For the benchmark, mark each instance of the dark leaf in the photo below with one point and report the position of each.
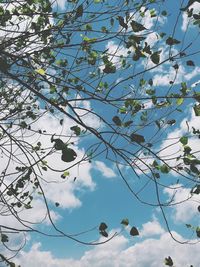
(104, 233)
(171, 122)
(172, 41)
(134, 231)
(59, 144)
(122, 23)
(198, 231)
(137, 138)
(117, 120)
(102, 227)
(196, 16)
(4, 238)
(190, 63)
(109, 68)
(68, 154)
(79, 11)
(169, 261)
(128, 123)
(137, 27)
(76, 129)
(155, 57)
(57, 204)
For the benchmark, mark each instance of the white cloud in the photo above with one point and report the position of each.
(151, 228)
(120, 252)
(187, 210)
(106, 171)
(186, 20)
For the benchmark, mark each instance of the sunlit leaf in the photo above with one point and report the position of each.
(125, 222)
(41, 71)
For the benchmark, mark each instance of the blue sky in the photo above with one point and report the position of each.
(99, 193)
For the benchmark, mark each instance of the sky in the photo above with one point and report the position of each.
(94, 191)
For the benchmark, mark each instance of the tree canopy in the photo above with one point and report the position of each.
(95, 81)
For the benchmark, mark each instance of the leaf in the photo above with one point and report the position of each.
(41, 71)
(79, 11)
(197, 110)
(184, 140)
(4, 238)
(137, 138)
(179, 101)
(68, 154)
(125, 222)
(137, 27)
(76, 129)
(171, 41)
(134, 231)
(128, 123)
(59, 144)
(57, 204)
(190, 63)
(109, 68)
(104, 233)
(169, 261)
(164, 169)
(122, 23)
(171, 122)
(155, 57)
(117, 120)
(103, 226)
(198, 231)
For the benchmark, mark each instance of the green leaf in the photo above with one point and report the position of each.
(155, 57)
(184, 140)
(137, 138)
(171, 41)
(179, 101)
(59, 144)
(76, 130)
(164, 168)
(134, 231)
(197, 110)
(125, 222)
(117, 120)
(79, 11)
(137, 27)
(68, 154)
(169, 261)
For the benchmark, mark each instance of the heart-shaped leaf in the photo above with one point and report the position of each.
(134, 231)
